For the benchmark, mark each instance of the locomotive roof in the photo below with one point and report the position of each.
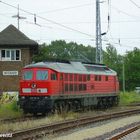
(74, 67)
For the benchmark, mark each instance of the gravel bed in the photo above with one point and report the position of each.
(106, 136)
(95, 130)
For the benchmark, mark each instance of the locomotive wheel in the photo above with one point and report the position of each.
(35, 114)
(99, 104)
(102, 103)
(116, 101)
(25, 111)
(55, 109)
(61, 107)
(67, 109)
(78, 106)
(44, 113)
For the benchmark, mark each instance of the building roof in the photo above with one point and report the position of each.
(74, 67)
(11, 36)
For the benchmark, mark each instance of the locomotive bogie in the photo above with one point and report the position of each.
(35, 104)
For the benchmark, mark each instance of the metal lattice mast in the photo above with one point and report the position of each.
(18, 17)
(99, 55)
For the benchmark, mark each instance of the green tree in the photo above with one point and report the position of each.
(59, 49)
(132, 69)
(114, 61)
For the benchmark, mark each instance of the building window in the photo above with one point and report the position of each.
(10, 55)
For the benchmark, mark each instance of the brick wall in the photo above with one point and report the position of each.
(11, 83)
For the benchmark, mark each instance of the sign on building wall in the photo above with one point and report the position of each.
(10, 73)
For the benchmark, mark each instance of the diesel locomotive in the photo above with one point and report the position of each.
(50, 86)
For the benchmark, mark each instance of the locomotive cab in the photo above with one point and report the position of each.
(35, 89)
(32, 82)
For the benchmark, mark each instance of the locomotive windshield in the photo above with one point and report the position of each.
(42, 75)
(28, 75)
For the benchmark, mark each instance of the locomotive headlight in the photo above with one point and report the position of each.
(42, 90)
(33, 85)
(26, 90)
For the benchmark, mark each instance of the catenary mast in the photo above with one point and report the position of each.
(99, 55)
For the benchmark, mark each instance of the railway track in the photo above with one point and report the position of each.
(124, 133)
(67, 125)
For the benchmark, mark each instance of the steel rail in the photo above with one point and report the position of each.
(67, 125)
(124, 133)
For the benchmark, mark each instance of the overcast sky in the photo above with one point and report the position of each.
(123, 33)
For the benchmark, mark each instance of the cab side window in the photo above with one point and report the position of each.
(53, 76)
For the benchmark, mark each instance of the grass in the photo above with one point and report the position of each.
(33, 123)
(9, 107)
(129, 97)
(9, 110)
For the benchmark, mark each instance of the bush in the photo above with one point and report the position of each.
(129, 97)
(10, 110)
(14, 106)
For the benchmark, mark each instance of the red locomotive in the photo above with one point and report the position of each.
(49, 86)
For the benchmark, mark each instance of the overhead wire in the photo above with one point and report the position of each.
(48, 20)
(109, 22)
(117, 43)
(66, 8)
(88, 22)
(134, 3)
(125, 13)
(132, 16)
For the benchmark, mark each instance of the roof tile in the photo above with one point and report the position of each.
(12, 36)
